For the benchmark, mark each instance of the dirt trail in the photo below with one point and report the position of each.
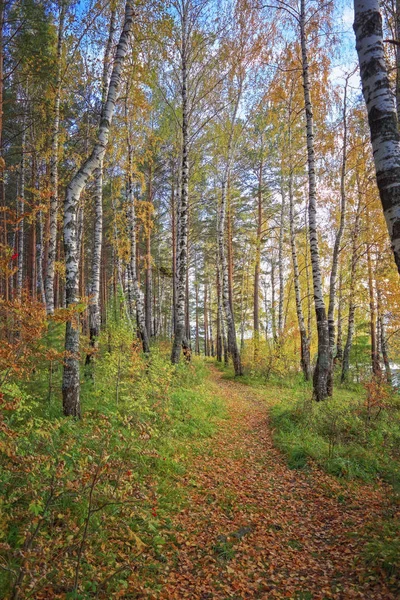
(256, 529)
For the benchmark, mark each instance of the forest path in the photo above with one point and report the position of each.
(253, 528)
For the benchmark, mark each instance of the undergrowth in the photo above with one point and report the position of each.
(86, 506)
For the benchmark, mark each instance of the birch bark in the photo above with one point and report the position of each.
(94, 286)
(382, 115)
(138, 297)
(339, 337)
(339, 233)
(70, 384)
(230, 322)
(55, 135)
(273, 301)
(219, 316)
(182, 216)
(256, 296)
(323, 368)
(352, 290)
(305, 360)
(280, 268)
(397, 52)
(383, 338)
(40, 256)
(210, 320)
(21, 206)
(221, 230)
(376, 368)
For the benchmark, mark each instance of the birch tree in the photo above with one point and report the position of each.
(323, 369)
(21, 200)
(55, 135)
(94, 302)
(382, 117)
(137, 294)
(185, 13)
(70, 385)
(195, 85)
(305, 359)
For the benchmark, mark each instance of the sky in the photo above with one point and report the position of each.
(347, 56)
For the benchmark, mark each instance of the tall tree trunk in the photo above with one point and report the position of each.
(397, 51)
(383, 339)
(40, 248)
(229, 235)
(55, 135)
(196, 285)
(382, 116)
(280, 268)
(206, 344)
(118, 280)
(352, 288)
(376, 369)
(323, 369)
(4, 237)
(339, 336)
(339, 233)
(219, 316)
(210, 321)
(21, 206)
(94, 301)
(31, 265)
(256, 296)
(180, 339)
(148, 260)
(230, 322)
(173, 236)
(187, 304)
(136, 295)
(243, 302)
(137, 292)
(71, 385)
(305, 359)
(273, 302)
(94, 287)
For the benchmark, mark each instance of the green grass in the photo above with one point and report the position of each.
(132, 454)
(340, 435)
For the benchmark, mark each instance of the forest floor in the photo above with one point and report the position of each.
(253, 528)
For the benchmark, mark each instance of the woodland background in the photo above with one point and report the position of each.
(155, 194)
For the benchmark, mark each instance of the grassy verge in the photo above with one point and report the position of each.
(87, 506)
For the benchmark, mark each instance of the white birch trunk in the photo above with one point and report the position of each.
(183, 206)
(136, 291)
(40, 255)
(305, 360)
(230, 322)
(339, 233)
(352, 290)
(280, 268)
(383, 338)
(382, 115)
(323, 368)
(53, 213)
(223, 261)
(71, 386)
(94, 286)
(21, 206)
(257, 266)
